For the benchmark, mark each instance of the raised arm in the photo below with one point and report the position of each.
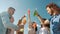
(38, 16)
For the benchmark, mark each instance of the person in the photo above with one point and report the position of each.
(34, 25)
(54, 11)
(30, 27)
(45, 25)
(5, 21)
(21, 23)
(10, 31)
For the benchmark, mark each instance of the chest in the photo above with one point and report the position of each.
(55, 20)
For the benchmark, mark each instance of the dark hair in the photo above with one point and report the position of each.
(36, 26)
(44, 19)
(51, 5)
(36, 29)
(54, 6)
(11, 8)
(46, 25)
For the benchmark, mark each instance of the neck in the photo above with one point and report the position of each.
(56, 13)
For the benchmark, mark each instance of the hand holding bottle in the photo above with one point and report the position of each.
(36, 13)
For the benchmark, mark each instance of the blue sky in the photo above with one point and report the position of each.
(22, 6)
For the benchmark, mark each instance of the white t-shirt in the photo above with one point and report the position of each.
(44, 31)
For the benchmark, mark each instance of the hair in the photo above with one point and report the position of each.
(46, 25)
(54, 6)
(43, 22)
(43, 19)
(11, 8)
(36, 26)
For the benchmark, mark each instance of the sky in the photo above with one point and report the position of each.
(22, 7)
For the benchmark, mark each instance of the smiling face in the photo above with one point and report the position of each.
(34, 25)
(49, 11)
(11, 10)
(11, 19)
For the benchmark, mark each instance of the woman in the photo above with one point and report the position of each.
(45, 25)
(34, 25)
(21, 23)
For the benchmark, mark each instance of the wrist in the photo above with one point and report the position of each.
(37, 15)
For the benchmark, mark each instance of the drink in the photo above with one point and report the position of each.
(35, 13)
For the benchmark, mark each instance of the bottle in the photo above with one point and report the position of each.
(35, 13)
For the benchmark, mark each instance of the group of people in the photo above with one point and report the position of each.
(54, 11)
(33, 28)
(48, 26)
(6, 22)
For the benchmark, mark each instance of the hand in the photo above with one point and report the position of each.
(36, 13)
(28, 11)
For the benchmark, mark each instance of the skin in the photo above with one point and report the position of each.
(11, 11)
(34, 25)
(49, 11)
(52, 11)
(11, 19)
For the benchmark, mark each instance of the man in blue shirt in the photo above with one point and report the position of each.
(5, 21)
(54, 11)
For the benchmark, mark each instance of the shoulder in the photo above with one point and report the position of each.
(4, 13)
(59, 15)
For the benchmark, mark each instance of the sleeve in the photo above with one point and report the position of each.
(7, 23)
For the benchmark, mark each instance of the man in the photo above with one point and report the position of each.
(5, 21)
(54, 11)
